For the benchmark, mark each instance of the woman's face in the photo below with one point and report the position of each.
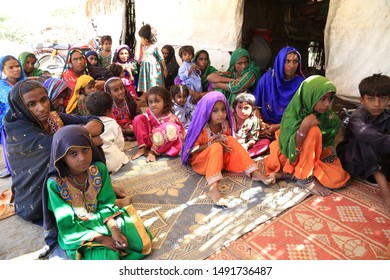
(291, 65)
(124, 55)
(165, 53)
(241, 64)
(12, 69)
(58, 102)
(117, 90)
(202, 61)
(92, 59)
(37, 102)
(29, 64)
(78, 62)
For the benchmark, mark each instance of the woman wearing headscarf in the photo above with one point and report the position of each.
(242, 75)
(58, 91)
(172, 66)
(302, 148)
(277, 86)
(28, 61)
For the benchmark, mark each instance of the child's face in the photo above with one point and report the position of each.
(375, 105)
(107, 46)
(187, 56)
(78, 159)
(218, 114)
(89, 88)
(124, 55)
(181, 98)
(144, 41)
(29, 64)
(156, 104)
(324, 103)
(165, 53)
(93, 60)
(117, 90)
(38, 103)
(243, 110)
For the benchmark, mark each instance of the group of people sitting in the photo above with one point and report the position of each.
(62, 138)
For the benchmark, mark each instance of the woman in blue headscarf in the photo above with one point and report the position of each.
(276, 87)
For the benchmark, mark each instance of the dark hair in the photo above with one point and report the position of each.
(116, 69)
(98, 103)
(146, 32)
(186, 49)
(105, 38)
(177, 89)
(7, 58)
(375, 85)
(29, 85)
(164, 94)
(110, 81)
(244, 97)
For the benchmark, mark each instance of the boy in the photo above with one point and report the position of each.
(365, 150)
(189, 73)
(105, 56)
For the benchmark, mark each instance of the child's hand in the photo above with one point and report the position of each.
(309, 121)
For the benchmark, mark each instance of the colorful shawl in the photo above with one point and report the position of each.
(209, 69)
(236, 55)
(273, 92)
(55, 87)
(200, 118)
(81, 83)
(22, 58)
(68, 64)
(300, 106)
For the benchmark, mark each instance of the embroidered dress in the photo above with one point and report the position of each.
(161, 134)
(81, 216)
(150, 73)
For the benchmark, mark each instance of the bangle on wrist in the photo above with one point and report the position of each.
(300, 133)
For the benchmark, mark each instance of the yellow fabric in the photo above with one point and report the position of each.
(82, 82)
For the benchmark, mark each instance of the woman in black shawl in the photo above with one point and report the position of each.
(172, 66)
(30, 124)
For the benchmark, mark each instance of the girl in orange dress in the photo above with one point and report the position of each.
(302, 146)
(210, 147)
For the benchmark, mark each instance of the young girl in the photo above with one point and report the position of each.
(84, 86)
(92, 58)
(82, 198)
(100, 104)
(209, 146)
(302, 145)
(105, 56)
(247, 126)
(180, 95)
(158, 130)
(124, 58)
(151, 59)
(124, 108)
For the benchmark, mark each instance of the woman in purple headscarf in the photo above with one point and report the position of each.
(276, 87)
(210, 147)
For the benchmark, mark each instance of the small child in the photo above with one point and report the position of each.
(151, 59)
(158, 131)
(92, 58)
(180, 94)
(99, 104)
(365, 150)
(124, 108)
(247, 126)
(105, 56)
(81, 196)
(84, 86)
(210, 147)
(189, 73)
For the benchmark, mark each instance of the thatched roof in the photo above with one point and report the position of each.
(101, 7)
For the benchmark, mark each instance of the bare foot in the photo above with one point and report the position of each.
(216, 197)
(258, 176)
(141, 152)
(119, 192)
(316, 188)
(151, 157)
(123, 201)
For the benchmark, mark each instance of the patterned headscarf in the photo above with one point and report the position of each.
(300, 106)
(200, 117)
(55, 87)
(68, 64)
(273, 92)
